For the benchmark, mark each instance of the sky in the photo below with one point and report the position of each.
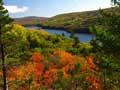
(49, 8)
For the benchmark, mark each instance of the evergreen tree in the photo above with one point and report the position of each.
(4, 20)
(107, 33)
(106, 43)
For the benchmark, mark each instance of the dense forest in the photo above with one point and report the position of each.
(37, 60)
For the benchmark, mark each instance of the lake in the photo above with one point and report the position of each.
(82, 36)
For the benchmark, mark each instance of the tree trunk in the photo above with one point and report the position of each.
(3, 60)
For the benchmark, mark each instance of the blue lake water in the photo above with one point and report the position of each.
(82, 36)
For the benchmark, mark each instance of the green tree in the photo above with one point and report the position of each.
(4, 20)
(106, 43)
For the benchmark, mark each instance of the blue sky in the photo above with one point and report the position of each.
(48, 8)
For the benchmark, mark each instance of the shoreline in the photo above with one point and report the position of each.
(80, 30)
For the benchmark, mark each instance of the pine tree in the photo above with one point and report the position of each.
(4, 20)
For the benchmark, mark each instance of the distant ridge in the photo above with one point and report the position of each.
(76, 21)
(29, 20)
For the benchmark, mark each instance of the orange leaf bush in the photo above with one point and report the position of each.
(95, 84)
(91, 63)
(40, 72)
(37, 57)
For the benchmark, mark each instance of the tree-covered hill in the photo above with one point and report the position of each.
(30, 20)
(76, 22)
(72, 21)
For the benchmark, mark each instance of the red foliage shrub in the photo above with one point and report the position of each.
(46, 74)
(39, 69)
(23, 88)
(37, 57)
(95, 84)
(91, 63)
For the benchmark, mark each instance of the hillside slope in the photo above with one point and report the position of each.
(30, 20)
(77, 22)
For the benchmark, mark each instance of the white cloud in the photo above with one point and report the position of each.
(16, 9)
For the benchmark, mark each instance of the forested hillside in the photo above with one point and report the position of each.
(76, 22)
(30, 20)
(40, 61)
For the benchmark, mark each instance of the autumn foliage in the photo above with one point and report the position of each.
(95, 84)
(91, 63)
(37, 57)
(41, 72)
